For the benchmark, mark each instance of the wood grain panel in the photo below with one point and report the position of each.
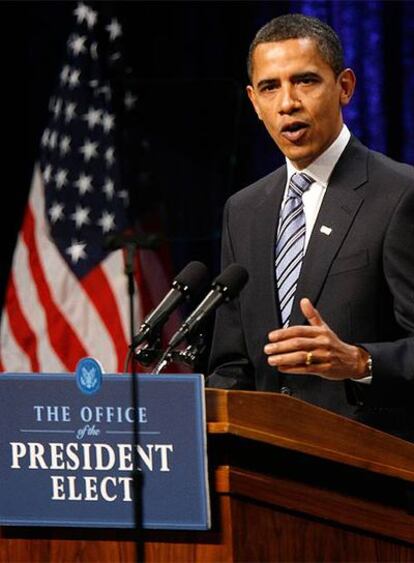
(287, 422)
(338, 508)
(266, 534)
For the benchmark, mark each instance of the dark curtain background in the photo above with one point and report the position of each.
(195, 139)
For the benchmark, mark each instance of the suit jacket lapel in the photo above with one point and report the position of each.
(265, 218)
(338, 211)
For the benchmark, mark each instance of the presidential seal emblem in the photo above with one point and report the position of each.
(89, 375)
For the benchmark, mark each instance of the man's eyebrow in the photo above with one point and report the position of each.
(268, 82)
(306, 74)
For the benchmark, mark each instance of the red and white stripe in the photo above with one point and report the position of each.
(51, 319)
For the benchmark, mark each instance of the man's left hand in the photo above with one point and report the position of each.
(315, 349)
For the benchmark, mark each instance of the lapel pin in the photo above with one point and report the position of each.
(326, 230)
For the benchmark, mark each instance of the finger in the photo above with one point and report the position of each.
(311, 314)
(290, 345)
(314, 369)
(303, 357)
(297, 358)
(298, 331)
(316, 360)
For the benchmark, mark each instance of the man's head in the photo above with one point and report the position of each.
(297, 26)
(299, 85)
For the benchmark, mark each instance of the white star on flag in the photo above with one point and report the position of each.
(65, 145)
(92, 18)
(47, 173)
(81, 12)
(114, 29)
(108, 189)
(74, 78)
(45, 138)
(70, 111)
(53, 138)
(61, 178)
(81, 216)
(93, 117)
(109, 156)
(107, 222)
(76, 251)
(130, 100)
(84, 183)
(56, 212)
(64, 75)
(78, 44)
(89, 150)
(57, 108)
(108, 122)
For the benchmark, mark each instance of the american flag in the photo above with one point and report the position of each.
(67, 295)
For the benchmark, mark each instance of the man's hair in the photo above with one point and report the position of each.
(298, 26)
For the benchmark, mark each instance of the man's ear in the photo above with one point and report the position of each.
(252, 97)
(347, 82)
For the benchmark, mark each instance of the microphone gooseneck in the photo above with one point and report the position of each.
(224, 288)
(186, 284)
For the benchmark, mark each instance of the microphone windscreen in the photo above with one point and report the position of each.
(232, 280)
(192, 278)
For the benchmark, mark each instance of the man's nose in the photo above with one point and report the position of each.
(289, 100)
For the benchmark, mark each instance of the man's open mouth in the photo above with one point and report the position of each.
(292, 127)
(294, 131)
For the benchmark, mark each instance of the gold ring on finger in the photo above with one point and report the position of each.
(309, 358)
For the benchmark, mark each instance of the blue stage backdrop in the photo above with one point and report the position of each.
(407, 63)
(378, 39)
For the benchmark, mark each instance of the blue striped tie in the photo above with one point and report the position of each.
(290, 243)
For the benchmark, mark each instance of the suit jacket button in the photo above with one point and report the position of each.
(286, 390)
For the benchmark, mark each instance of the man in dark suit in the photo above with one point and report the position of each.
(328, 313)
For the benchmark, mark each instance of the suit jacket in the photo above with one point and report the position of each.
(360, 277)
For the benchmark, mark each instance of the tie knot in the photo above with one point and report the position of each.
(299, 183)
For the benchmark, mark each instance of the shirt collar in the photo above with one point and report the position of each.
(322, 168)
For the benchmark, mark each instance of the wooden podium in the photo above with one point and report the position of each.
(289, 482)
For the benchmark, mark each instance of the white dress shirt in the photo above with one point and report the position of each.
(320, 170)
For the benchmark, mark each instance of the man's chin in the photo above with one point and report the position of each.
(299, 156)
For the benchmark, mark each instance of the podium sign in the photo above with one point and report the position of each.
(69, 451)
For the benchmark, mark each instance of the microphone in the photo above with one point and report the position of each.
(224, 288)
(184, 285)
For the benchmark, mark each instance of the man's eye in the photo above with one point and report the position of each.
(307, 80)
(268, 87)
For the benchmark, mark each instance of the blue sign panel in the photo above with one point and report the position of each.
(75, 450)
